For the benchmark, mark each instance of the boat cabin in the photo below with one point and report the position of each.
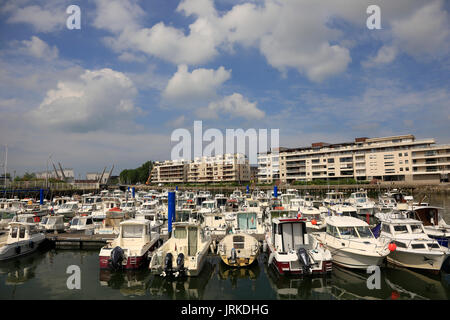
(82, 223)
(20, 231)
(348, 228)
(288, 234)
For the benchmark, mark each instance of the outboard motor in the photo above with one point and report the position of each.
(168, 263)
(303, 258)
(180, 264)
(233, 257)
(117, 256)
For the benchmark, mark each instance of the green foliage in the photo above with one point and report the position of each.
(138, 175)
(26, 177)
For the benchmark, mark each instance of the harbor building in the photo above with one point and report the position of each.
(395, 158)
(96, 176)
(220, 168)
(64, 174)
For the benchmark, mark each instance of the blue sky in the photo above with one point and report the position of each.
(112, 92)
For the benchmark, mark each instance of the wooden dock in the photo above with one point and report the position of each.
(78, 240)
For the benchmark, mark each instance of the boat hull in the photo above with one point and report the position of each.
(422, 261)
(353, 260)
(12, 251)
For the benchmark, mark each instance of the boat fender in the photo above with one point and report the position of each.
(18, 250)
(303, 258)
(265, 246)
(117, 256)
(271, 256)
(168, 262)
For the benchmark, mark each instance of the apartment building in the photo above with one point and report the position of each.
(268, 167)
(396, 158)
(169, 171)
(221, 168)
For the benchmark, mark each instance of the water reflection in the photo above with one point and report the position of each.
(234, 275)
(409, 284)
(316, 288)
(183, 288)
(19, 270)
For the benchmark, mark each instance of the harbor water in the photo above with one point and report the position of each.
(43, 275)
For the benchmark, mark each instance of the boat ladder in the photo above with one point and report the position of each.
(133, 260)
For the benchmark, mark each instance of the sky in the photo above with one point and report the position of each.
(113, 91)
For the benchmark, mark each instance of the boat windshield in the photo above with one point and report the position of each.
(76, 222)
(51, 220)
(364, 232)
(44, 220)
(247, 221)
(347, 232)
(133, 231)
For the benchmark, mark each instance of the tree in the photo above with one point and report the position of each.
(133, 176)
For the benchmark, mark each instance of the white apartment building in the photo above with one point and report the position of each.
(396, 158)
(220, 168)
(268, 167)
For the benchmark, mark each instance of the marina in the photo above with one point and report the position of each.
(293, 259)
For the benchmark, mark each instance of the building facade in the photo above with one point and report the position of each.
(396, 158)
(95, 176)
(68, 173)
(221, 168)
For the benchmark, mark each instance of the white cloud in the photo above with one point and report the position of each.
(117, 15)
(386, 54)
(98, 99)
(234, 105)
(47, 18)
(38, 49)
(425, 32)
(186, 88)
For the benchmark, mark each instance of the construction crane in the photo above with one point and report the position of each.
(56, 171)
(110, 173)
(62, 171)
(101, 177)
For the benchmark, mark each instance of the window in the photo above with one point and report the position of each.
(348, 232)
(433, 246)
(386, 228)
(132, 231)
(399, 154)
(418, 246)
(180, 233)
(416, 228)
(400, 244)
(400, 229)
(22, 232)
(364, 232)
(14, 232)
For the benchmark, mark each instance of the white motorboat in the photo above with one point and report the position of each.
(433, 222)
(52, 223)
(352, 243)
(248, 222)
(81, 223)
(360, 200)
(414, 248)
(184, 253)
(238, 250)
(68, 209)
(293, 251)
(131, 249)
(214, 223)
(23, 238)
